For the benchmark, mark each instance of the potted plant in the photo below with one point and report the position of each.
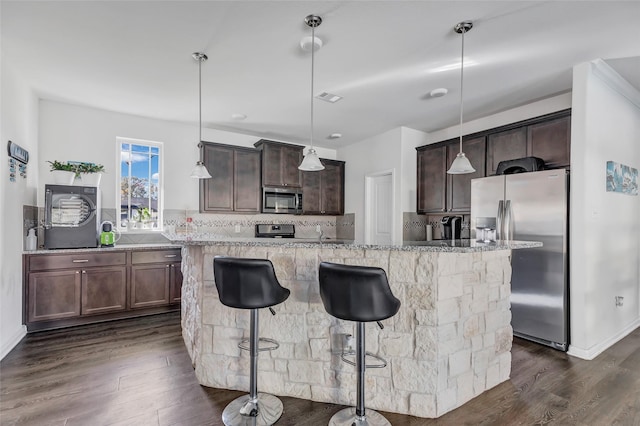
(90, 173)
(144, 216)
(63, 173)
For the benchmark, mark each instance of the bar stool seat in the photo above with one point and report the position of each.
(250, 284)
(361, 294)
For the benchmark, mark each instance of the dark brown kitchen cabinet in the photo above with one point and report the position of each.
(548, 138)
(235, 179)
(88, 286)
(506, 145)
(149, 285)
(53, 295)
(103, 290)
(280, 163)
(551, 141)
(323, 191)
(459, 186)
(432, 182)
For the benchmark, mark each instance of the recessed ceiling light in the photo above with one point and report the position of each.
(238, 117)
(439, 92)
(329, 97)
(335, 135)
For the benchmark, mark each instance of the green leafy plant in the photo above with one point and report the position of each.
(90, 168)
(144, 214)
(76, 167)
(66, 167)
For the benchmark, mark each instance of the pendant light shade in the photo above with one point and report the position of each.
(461, 164)
(200, 171)
(311, 162)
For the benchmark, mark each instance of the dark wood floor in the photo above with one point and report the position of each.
(137, 372)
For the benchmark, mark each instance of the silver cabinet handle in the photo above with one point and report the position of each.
(507, 219)
(80, 260)
(47, 209)
(166, 266)
(170, 255)
(499, 220)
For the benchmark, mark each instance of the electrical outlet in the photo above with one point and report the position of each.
(318, 229)
(619, 300)
(237, 229)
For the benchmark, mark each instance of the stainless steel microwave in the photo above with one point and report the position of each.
(282, 200)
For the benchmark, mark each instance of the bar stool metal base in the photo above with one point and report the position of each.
(347, 417)
(244, 412)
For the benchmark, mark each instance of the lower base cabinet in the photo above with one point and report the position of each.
(71, 289)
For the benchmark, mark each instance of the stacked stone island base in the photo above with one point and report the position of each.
(449, 342)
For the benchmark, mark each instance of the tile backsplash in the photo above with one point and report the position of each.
(230, 225)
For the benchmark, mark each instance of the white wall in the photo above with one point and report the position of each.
(409, 141)
(605, 226)
(76, 133)
(18, 118)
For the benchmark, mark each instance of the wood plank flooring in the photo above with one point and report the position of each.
(137, 372)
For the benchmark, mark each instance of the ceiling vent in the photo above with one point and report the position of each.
(328, 97)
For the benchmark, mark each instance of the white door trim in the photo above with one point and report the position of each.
(368, 204)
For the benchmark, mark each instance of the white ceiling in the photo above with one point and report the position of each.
(383, 57)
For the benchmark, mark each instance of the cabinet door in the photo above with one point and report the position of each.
(459, 186)
(311, 189)
(53, 295)
(332, 185)
(217, 192)
(551, 141)
(504, 146)
(149, 285)
(176, 283)
(246, 180)
(271, 165)
(104, 290)
(290, 160)
(432, 167)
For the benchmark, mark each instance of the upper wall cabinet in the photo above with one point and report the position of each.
(280, 163)
(235, 179)
(323, 191)
(439, 192)
(546, 137)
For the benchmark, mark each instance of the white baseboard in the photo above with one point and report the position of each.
(13, 341)
(596, 350)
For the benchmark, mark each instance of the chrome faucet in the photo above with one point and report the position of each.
(320, 236)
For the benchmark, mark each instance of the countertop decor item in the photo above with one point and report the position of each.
(63, 173)
(311, 162)
(200, 170)
(461, 165)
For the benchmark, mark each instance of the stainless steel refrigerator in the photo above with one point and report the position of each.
(531, 206)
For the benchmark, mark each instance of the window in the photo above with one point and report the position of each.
(140, 185)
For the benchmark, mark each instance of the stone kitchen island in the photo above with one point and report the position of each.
(449, 342)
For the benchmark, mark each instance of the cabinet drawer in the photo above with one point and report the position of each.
(156, 256)
(76, 260)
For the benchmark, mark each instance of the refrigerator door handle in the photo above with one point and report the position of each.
(47, 211)
(507, 220)
(499, 220)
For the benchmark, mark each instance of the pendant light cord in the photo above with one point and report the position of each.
(461, 85)
(200, 104)
(313, 39)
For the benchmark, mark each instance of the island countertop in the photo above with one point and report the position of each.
(439, 246)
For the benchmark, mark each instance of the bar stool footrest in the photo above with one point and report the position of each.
(382, 364)
(272, 344)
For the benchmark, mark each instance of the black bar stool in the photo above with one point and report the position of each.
(361, 294)
(250, 284)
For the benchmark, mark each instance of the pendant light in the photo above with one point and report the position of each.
(200, 171)
(311, 162)
(461, 164)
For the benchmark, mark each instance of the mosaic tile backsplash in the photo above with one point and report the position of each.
(232, 225)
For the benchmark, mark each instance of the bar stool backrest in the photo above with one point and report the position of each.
(356, 293)
(247, 283)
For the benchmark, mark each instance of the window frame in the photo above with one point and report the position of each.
(160, 205)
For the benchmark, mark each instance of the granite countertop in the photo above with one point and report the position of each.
(456, 246)
(118, 247)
